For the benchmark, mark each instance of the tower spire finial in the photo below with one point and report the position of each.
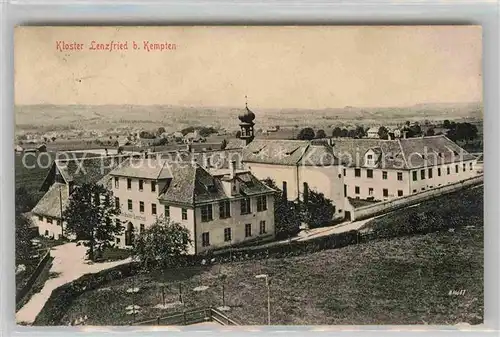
(246, 101)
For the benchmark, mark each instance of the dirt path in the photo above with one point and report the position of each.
(68, 265)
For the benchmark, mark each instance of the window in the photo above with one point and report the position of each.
(430, 173)
(439, 172)
(205, 239)
(141, 228)
(356, 189)
(49, 220)
(141, 206)
(129, 183)
(414, 191)
(423, 188)
(206, 213)
(262, 203)
(118, 240)
(262, 227)
(167, 211)
(40, 218)
(470, 166)
(46, 232)
(464, 167)
(344, 172)
(357, 172)
(285, 191)
(224, 209)
(369, 156)
(117, 182)
(370, 191)
(422, 174)
(400, 176)
(400, 193)
(153, 209)
(448, 170)
(153, 186)
(245, 206)
(184, 214)
(384, 175)
(345, 190)
(141, 184)
(456, 168)
(117, 203)
(369, 173)
(385, 192)
(248, 230)
(129, 203)
(306, 192)
(414, 173)
(227, 234)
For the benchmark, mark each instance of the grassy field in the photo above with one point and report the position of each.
(399, 281)
(31, 170)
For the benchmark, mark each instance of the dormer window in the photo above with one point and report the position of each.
(369, 157)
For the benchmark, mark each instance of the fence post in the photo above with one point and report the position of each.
(184, 317)
(158, 320)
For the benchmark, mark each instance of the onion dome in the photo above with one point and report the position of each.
(246, 116)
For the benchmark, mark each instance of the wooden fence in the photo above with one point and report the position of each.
(194, 316)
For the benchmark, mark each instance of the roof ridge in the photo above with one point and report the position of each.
(403, 153)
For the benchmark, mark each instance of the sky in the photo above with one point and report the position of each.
(310, 67)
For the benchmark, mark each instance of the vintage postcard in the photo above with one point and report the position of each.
(260, 175)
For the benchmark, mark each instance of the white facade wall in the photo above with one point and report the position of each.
(328, 180)
(393, 186)
(51, 230)
(441, 178)
(280, 174)
(236, 222)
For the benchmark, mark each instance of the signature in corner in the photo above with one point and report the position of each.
(456, 292)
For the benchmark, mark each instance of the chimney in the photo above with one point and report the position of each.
(232, 169)
(404, 134)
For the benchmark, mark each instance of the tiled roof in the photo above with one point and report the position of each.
(147, 168)
(192, 184)
(50, 203)
(289, 152)
(407, 153)
(89, 169)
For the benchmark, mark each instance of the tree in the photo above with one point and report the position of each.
(24, 201)
(344, 133)
(383, 133)
(24, 234)
(223, 145)
(160, 130)
(306, 134)
(352, 134)
(318, 210)
(430, 132)
(407, 123)
(286, 214)
(360, 131)
(446, 124)
(320, 134)
(161, 244)
(337, 132)
(238, 134)
(89, 216)
(415, 130)
(53, 139)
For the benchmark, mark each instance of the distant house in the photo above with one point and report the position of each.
(193, 137)
(146, 142)
(18, 149)
(372, 132)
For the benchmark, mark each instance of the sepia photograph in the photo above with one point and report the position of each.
(248, 175)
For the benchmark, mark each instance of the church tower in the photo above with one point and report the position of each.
(246, 118)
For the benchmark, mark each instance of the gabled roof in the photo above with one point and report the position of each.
(192, 184)
(50, 203)
(147, 168)
(289, 152)
(406, 153)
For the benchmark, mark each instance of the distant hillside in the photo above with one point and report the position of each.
(100, 117)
